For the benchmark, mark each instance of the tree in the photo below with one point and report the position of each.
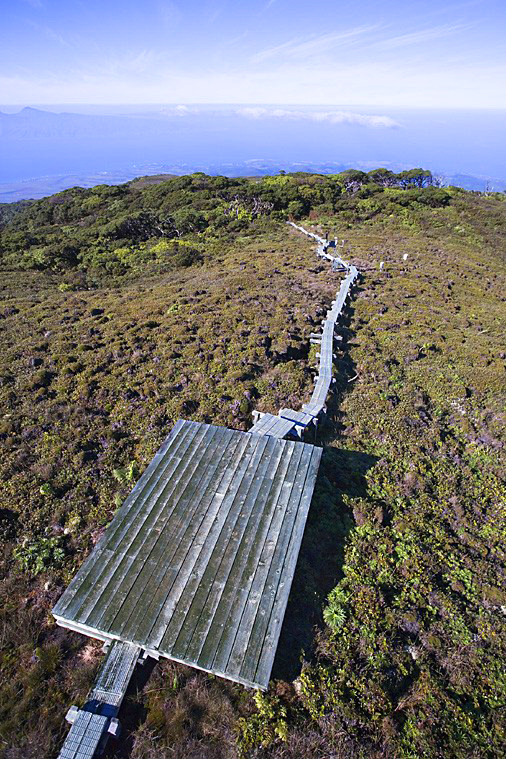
(415, 178)
(353, 179)
(382, 177)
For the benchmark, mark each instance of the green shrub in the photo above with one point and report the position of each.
(126, 474)
(36, 555)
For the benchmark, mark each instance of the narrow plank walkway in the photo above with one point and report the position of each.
(290, 422)
(113, 678)
(92, 725)
(85, 736)
(274, 426)
(196, 566)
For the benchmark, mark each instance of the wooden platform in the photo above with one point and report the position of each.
(197, 564)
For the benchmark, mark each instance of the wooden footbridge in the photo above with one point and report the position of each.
(197, 564)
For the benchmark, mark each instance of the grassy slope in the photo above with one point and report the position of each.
(93, 381)
(414, 662)
(406, 515)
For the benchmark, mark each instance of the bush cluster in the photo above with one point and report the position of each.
(112, 231)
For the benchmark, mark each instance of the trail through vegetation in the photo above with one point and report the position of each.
(124, 308)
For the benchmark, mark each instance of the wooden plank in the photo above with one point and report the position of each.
(222, 634)
(253, 630)
(272, 425)
(241, 605)
(115, 673)
(281, 428)
(263, 423)
(132, 530)
(273, 628)
(150, 566)
(254, 615)
(93, 565)
(167, 627)
(171, 464)
(266, 423)
(137, 545)
(172, 445)
(228, 568)
(177, 546)
(299, 418)
(192, 596)
(321, 390)
(106, 578)
(84, 736)
(214, 505)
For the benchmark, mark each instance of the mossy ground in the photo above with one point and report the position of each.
(406, 529)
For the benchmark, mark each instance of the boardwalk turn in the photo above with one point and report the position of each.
(197, 564)
(279, 426)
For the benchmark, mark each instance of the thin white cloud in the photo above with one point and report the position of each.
(301, 47)
(135, 64)
(131, 65)
(420, 36)
(215, 11)
(333, 117)
(140, 62)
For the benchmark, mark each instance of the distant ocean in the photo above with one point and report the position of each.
(48, 148)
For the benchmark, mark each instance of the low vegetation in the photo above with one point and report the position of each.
(125, 308)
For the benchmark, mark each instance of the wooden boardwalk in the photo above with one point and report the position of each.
(92, 725)
(279, 426)
(197, 564)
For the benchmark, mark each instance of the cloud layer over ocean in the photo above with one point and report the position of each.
(333, 117)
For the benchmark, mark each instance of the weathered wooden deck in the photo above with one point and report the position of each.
(197, 564)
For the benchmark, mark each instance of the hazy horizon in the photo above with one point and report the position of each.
(117, 143)
(215, 85)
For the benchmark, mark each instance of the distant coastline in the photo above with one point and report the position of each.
(47, 150)
(40, 187)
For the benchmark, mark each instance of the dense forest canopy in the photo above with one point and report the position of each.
(115, 229)
(124, 308)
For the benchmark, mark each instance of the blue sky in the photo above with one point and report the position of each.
(400, 53)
